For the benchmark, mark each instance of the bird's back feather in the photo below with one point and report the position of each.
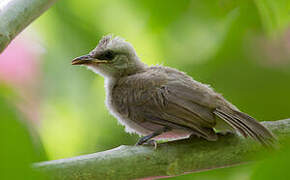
(162, 96)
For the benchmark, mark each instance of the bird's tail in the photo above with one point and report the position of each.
(247, 126)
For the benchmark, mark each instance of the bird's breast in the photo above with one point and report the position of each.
(118, 106)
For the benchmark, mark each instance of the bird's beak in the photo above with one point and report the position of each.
(86, 60)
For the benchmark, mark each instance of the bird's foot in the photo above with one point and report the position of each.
(151, 143)
(225, 133)
(193, 136)
(147, 143)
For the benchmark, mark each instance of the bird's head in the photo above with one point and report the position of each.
(113, 57)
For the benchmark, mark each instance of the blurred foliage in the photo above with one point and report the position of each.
(18, 147)
(274, 167)
(240, 47)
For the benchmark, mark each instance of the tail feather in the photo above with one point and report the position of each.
(247, 126)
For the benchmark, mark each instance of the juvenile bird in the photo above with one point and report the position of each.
(159, 102)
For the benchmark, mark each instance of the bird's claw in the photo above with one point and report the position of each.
(148, 143)
(151, 143)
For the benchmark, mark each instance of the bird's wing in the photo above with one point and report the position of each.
(170, 98)
(167, 101)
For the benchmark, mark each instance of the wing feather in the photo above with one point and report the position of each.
(165, 105)
(167, 97)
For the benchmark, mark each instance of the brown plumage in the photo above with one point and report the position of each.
(163, 103)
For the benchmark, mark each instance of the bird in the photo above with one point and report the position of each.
(158, 102)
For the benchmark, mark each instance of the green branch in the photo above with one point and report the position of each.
(169, 159)
(15, 15)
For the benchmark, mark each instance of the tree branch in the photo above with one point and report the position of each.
(15, 15)
(171, 158)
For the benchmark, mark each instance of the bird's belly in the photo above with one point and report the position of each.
(146, 128)
(130, 125)
(142, 127)
(170, 135)
(174, 135)
(133, 127)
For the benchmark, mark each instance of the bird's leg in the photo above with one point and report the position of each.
(147, 138)
(225, 133)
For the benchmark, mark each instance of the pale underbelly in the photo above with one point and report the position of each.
(146, 128)
(174, 134)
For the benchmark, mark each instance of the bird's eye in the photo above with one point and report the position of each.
(108, 55)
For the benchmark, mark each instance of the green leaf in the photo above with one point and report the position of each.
(18, 149)
(275, 15)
